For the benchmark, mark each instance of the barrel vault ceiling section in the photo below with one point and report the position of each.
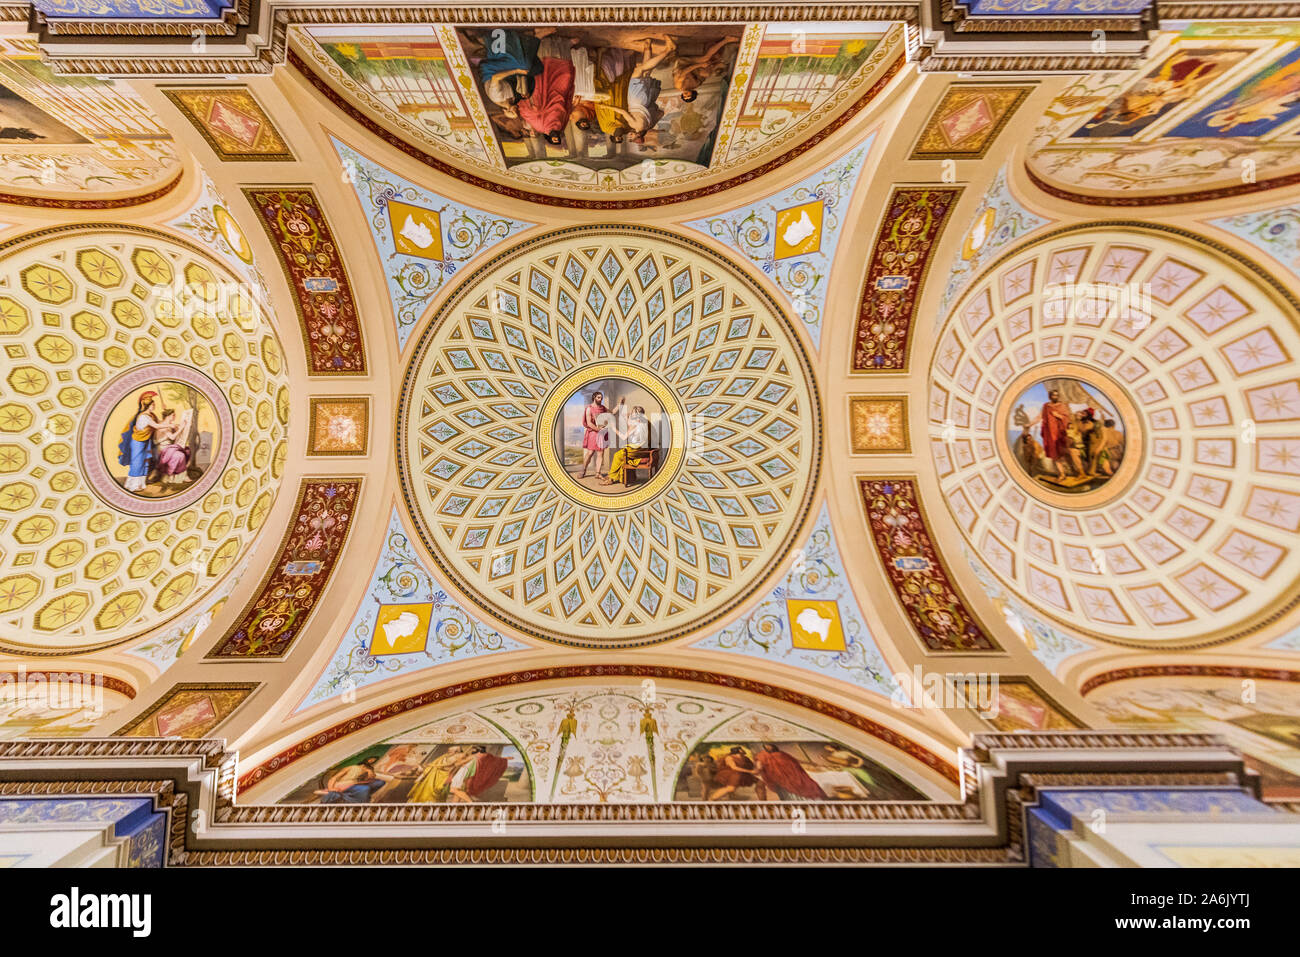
(447, 410)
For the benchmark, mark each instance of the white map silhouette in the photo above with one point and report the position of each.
(799, 230)
(403, 626)
(812, 622)
(417, 233)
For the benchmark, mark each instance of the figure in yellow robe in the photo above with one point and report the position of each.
(434, 783)
(638, 442)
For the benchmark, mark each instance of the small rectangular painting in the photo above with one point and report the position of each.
(24, 123)
(812, 770)
(1255, 107)
(189, 711)
(967, 120)
(878, 425)
(233, 122)
(422, 773)
(1019, 705)
(614, 100)
(340, 425)
(1175, 81)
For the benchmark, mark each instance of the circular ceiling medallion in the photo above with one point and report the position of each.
(156, 439)
(1176, 523)
(142, 433)
(1070, 435)
(605, 427)
(609, 436)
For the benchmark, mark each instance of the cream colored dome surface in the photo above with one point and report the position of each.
(1186, 533)
(484, 436)
(95, 323)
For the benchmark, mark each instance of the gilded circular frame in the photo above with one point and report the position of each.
(554, 468)
(1118, 484)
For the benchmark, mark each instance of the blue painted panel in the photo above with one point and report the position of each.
(1062, 805)
(1045, 839)
(134, 820)
(1056, 8)
(133, 9)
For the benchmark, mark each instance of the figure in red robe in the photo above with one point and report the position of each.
(547, 110)
(784, 772)
(488, 769)
(1055, 418)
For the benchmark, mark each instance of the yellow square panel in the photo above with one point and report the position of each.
(815, 624)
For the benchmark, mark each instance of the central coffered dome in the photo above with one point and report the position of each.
(611, 432)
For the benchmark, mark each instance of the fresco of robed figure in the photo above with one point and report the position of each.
(161, 439)
(1066, 434)
(812, 770)
(603, 98)
(411, 773)
(612, 433)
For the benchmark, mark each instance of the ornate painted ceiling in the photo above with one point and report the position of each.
(553, 411)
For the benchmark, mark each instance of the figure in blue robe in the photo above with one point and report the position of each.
(135, 450)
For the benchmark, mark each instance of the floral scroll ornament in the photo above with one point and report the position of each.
(1275, 231)
(917, 573)
(913, 221)
(803, 277)
(299, 576)
(296, 225)
(800, 278)
(400, 578)
(209, 222)
(464, 233)
(817, 573)
(999, 219)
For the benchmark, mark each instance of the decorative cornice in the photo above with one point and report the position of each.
(703, 812)
(1003, 774)
(963, 21)
(929, 60)
(601, 856)
(1229, 10)
(162, 791)
(982, 743)
(241, 50)
(884, 10)
(212, 751)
